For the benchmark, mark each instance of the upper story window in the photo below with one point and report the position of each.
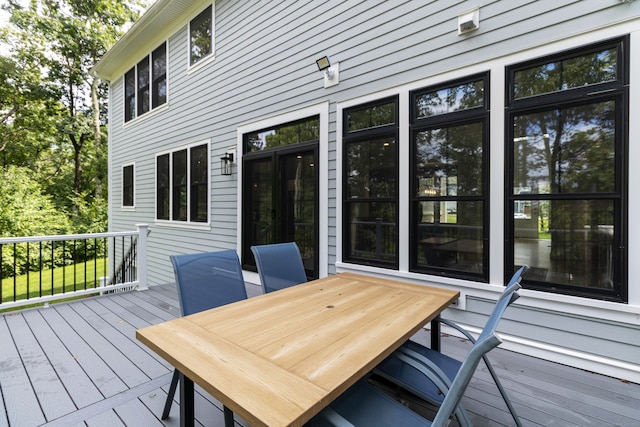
(145, 85)
(128, 185)
(449, 186)
(567, 135)
(370, 196)
(182, 185)
(201, 32)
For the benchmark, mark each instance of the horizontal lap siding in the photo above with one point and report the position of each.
(264, 66)
(580, 333)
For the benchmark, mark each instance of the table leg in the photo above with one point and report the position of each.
(228, 417)
(187, 413)
(435, 335)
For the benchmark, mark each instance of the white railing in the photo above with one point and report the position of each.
(66, 266)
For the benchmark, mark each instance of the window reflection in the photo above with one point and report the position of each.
(568, 150)
(449, 187)
(450, 235)
(587, 69)
(568, 242)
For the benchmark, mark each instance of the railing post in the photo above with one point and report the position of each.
(143, 230)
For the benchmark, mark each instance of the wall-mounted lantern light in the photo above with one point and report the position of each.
(331, 71)
(225, 163)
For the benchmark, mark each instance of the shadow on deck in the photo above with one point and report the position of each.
(79, 364)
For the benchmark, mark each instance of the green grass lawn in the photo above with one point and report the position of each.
(46, 282)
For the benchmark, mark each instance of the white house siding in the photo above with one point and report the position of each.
(264, 69)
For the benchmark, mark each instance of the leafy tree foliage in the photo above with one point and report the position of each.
(52, 109)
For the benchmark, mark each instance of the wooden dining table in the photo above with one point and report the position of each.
(279, 358)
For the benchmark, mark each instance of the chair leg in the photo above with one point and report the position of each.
(503, 392)
(172, 392)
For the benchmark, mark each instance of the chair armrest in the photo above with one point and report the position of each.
(425, 366)
(335, 418)
(458, 328)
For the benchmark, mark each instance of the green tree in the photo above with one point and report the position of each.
(62, 104)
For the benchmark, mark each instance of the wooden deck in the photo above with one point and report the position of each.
(79, 364)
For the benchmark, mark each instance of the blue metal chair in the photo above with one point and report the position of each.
(279, 265)
(365, 405)
(444, 369)
(205, 280)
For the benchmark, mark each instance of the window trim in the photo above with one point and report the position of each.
(191, 66)
(616, 91)
(188, 222)
(132, 206)
(137, 115)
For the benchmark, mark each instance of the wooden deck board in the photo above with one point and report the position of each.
(123, 368)
(76, 382)
(19, 397)
(87, 358)
(97, 374)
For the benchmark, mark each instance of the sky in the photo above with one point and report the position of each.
(4, 18)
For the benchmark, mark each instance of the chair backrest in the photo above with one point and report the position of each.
(509, 295)
(208, 280)
(279, 265)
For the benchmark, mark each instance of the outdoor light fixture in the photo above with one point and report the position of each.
(323, 63)
(225, 164)
(331, 72)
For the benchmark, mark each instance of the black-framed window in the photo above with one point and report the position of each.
(201, 36)
(370, 186)
(145, 85)
(449, 178)
(566, 206)
(128, 185)
(182, 178)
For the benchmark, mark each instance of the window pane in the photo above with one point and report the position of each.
(260, 203)
(569, 150)
(199, 180)
(371, 117)
(371, 169)
(450, 99)
(584, 70)
(201, 35)
(143, 86)
(130, 95)
(159, 75)
(448, 161)
(298, 189)
(292, 133)
(127, 185)
(179, 194)
(163, 189)
(373, 231)
(568, 242)
(450, 235)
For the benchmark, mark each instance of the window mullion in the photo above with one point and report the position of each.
(188, 184)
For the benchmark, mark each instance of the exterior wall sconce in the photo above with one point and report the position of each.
(225, 163)
(331, 71)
